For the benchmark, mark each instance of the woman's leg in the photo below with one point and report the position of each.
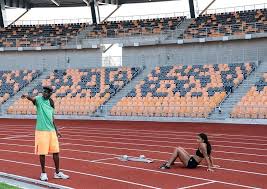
(181, 154)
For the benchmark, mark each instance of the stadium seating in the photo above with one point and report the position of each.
(79, 91)
(182, 91)
(254, 103)
(226, 24)
(38, 35)
(135, 27)
(13, 81)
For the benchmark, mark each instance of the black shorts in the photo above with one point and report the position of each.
(192, 163)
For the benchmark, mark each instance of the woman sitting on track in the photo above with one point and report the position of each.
(191, 162)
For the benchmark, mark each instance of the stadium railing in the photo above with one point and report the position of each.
(236, 8)
(125, 35)
(51, 21)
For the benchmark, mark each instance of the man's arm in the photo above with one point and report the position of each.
(53, 106)
(58, 133)
(32, 99)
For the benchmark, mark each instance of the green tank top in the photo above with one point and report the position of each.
(45, 114)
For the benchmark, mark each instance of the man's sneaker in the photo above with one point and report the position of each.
(43, 177)
(60, 175)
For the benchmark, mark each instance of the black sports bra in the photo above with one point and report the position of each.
(199, 154)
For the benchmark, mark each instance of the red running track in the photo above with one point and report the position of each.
(89, 151)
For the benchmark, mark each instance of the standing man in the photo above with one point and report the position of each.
(46, 134)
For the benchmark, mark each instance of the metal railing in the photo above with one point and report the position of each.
(139, 17)
(236, 8)
(190, 111)
(52, 21)
(205, 32)
(147, 35)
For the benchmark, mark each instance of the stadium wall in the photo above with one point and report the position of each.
(198, 53)
(50, 59)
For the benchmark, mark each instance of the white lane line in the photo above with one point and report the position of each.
(98, 160)
(196, 185)
(17, 136)
(181, 175)
(168, 133)
(147, 145)
(131, 139)
(144, 135)
(167, 142)
(131, 149)
(117, 155)
(86, 174)
(161, 172)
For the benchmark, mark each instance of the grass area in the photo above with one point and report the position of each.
(5, 186)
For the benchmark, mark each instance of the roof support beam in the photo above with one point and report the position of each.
(192, 9)
(2, 24)
(211, 3)
(55, 2)
(86, 2)
(19, 17)
(92, 5)
(111, 13)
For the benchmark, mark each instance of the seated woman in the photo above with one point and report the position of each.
(191, 162)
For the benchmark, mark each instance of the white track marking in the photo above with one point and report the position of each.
(17, 136)
(86, 174)
(224, 159)
(167, 142)
(117, 155)
(177, 138)
(196, 185)
(150, 170)
(98, 160)
(176, 143)
(147, 145)
(168, 133)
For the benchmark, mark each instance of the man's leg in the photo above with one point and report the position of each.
(42, 162)
(56, 161)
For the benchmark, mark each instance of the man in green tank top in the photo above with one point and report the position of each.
(46, 133)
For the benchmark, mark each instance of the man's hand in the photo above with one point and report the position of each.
(23, 96)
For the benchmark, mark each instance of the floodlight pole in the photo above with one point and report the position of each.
(98, 11)
(192, 9)
(2, 9)
(92, 5)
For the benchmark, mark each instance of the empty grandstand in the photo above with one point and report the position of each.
(131, 80)
(253, 104)
(183, 91)
(39, 35)
(79, 91)
(194, 81)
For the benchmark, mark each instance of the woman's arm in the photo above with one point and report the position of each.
(203, 149)
(212, 162)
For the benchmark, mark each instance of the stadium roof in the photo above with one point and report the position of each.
(67, 3)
